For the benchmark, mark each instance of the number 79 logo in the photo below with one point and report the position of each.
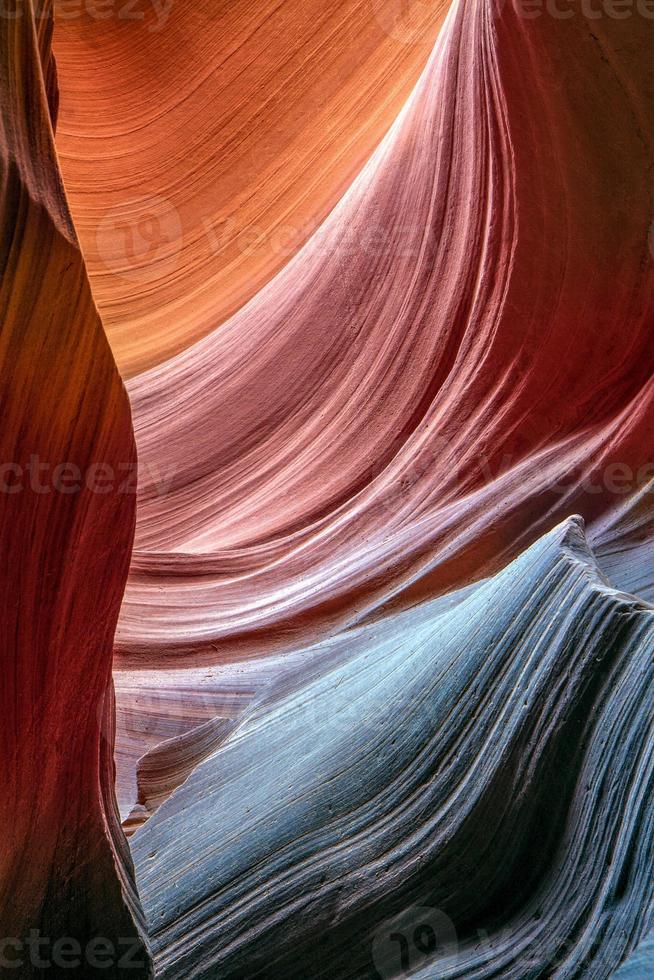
(411, 941)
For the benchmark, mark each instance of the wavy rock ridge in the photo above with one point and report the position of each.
(494, 764)
(372, 715)
(388, 420)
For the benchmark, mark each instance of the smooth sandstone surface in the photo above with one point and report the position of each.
(380, 279)
(203, 141)
(65, 869)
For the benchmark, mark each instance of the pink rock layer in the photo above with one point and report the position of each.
(460, 357)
